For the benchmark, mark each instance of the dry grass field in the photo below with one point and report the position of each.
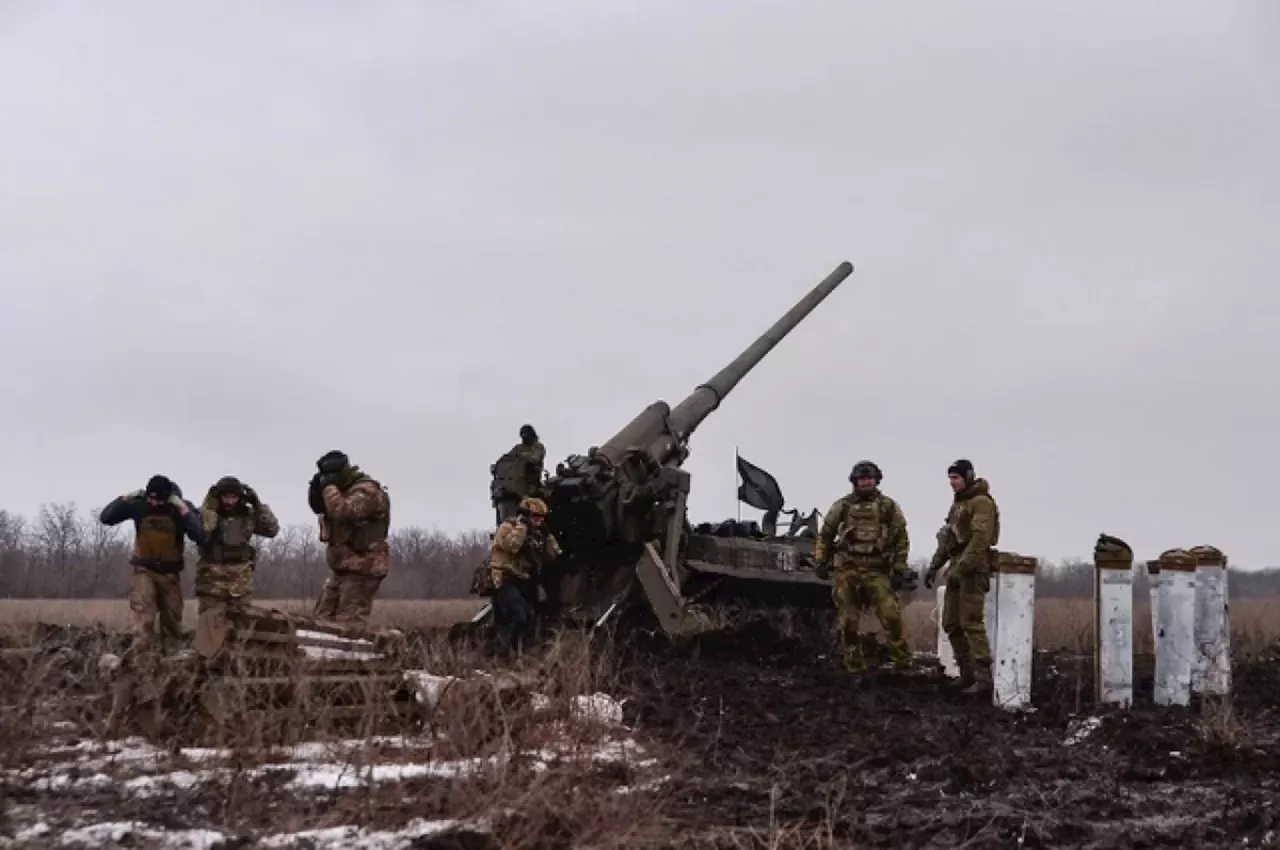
(758, 739)
(114, 614)
(1061, 624)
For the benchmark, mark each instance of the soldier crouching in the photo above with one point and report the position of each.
(230, 515)
(521, 546)
(355, 521)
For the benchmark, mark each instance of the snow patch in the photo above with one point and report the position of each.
(356, 838)
(598, 707)
(1079, 730)
(101, 834)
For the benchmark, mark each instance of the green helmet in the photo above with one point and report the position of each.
(866, 469)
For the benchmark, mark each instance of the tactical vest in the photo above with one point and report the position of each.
(864, 529)
(229, 542)
(360, 535)
(159, 545)
(515, 474)
(961, 522)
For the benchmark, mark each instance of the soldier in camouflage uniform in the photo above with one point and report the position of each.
(868, 533)
(968, 541)
(521, 546)
(163, 520)
(355, 520)
(230, 515)
(517, 474)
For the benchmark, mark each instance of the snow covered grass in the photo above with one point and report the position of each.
(568, 765)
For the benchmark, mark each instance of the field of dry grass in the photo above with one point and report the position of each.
(757, 740)
(1061, 624)
(114, 613)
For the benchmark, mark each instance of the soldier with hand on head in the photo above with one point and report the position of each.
(231, 515)
(355, 521)
(968, 540)
(517, 474)
(521, 547)
(866, 532)
(163, 521)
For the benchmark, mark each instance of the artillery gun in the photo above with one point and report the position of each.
(620, 514)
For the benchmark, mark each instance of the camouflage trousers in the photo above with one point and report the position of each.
(220, 584)
(855, 590)
(155, 597)
(347, 598)
(963, 612)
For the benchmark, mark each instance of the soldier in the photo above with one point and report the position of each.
(517, 474)
(231, 514)
(869, 533)
(162, 520)
(521, 546)
(355, 519)
(968, 540)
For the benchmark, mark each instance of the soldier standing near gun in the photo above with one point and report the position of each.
(230, 515)
(968, 540)
(521, 547)
(517, 474)
(355, 521)
(869, 533)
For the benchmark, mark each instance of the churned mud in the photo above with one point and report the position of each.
(779, 747)
(749, 738)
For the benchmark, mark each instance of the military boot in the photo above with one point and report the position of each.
(981, 685)
(966, 679)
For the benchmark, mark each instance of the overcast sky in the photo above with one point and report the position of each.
(236, 235)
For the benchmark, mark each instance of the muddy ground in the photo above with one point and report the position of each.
(778, 741)
(749, 739)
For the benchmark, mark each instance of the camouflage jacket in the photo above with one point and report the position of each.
(519, 552)
(518, 473)
(227, 532)
(872, 531)
(359, 521)
(971, 531)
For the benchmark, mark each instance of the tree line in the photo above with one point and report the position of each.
(64, 553)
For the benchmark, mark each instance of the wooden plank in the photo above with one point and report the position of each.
(311, 679)
(255, 636)
(258, 658)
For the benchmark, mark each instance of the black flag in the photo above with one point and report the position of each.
(759, 489)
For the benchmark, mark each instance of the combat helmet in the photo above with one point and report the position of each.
(865, 469)
(533, 506)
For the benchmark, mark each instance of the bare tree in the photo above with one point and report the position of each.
(68, 555)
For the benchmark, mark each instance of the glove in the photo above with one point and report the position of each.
(132, 495)
(176, 501)
(251, 495)
(822, 569)
(902, 580)
(315, 496)
(930, 577)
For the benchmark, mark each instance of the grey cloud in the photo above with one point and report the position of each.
(214, 215)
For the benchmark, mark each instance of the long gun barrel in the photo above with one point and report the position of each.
(689, 413)
(662, 430)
